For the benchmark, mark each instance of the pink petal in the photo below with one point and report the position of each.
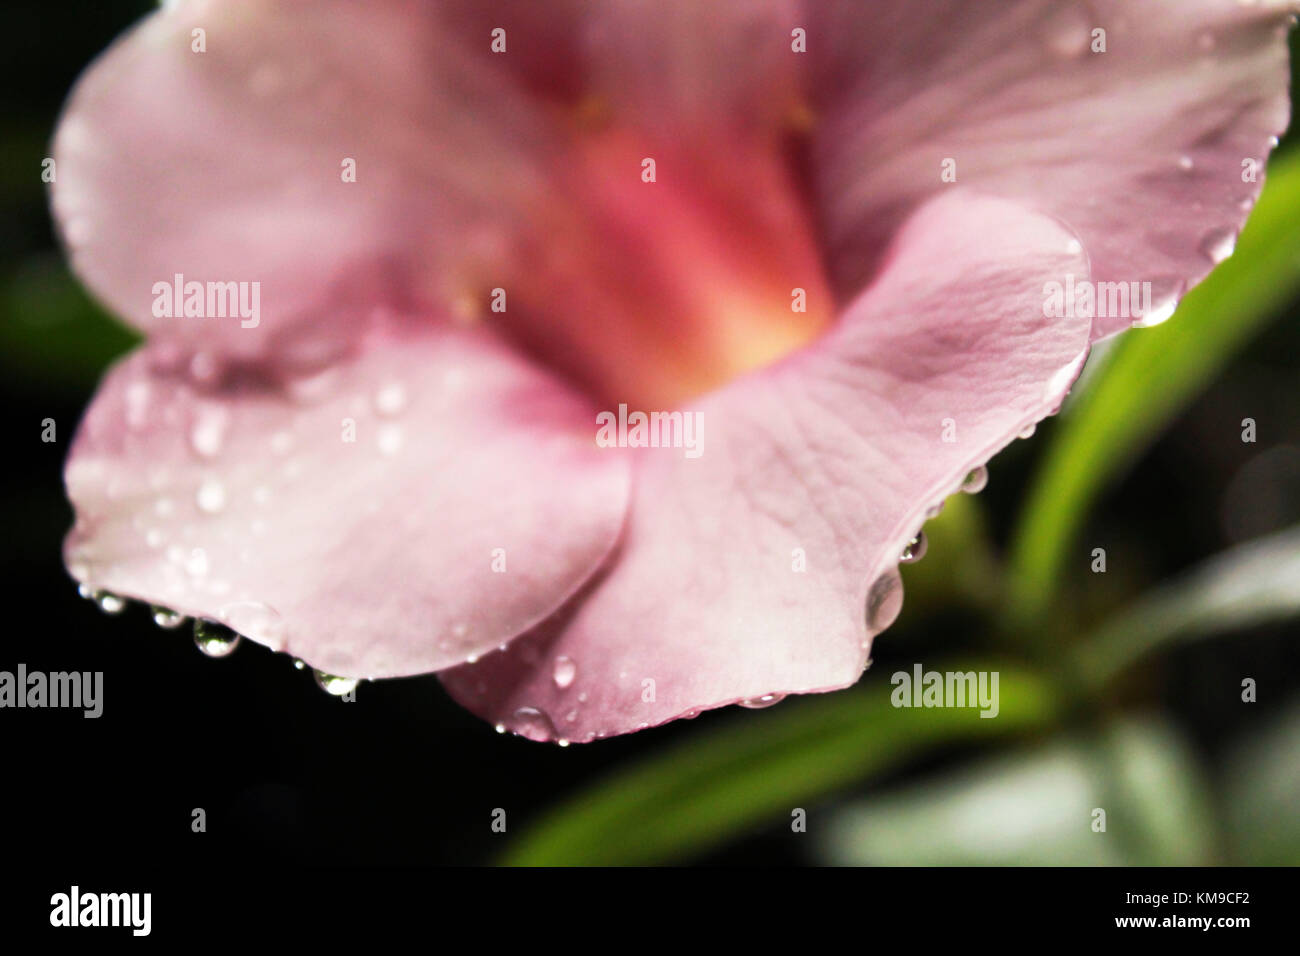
(375, 557)
(837, 451)
(1139, 149)
(227, 165)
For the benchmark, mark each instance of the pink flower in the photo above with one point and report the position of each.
(462, 231)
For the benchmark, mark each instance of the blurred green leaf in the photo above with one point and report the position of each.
(1251, 584)
(1149, 377)
(960, 566)
(1037, 809)
(1262, 792)
(709, 790)
(52, 334)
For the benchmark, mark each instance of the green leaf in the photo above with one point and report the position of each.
(1261, 782)
(714, 788)
(1149, 378)
(1039, 808)
(52, 334)
(1253, 583)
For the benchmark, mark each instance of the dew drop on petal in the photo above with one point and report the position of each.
(975, 480)
(1218, 244)
(759, 703)
(565, 671)
(915, 549)
(884, 601)
(211, 496)
(1028, 432)
(336, 686)
(166, 618)
(532, 723)
(213, 639)
(390, 400)
(109, 602)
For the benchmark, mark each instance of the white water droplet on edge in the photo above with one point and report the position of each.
(975, 480)
(915, 549)
(1218, 244)
(532, 723)
(166, 618)
(109, 602)
(215, 640)
(759, 703)
(334, 685)
(884, 601)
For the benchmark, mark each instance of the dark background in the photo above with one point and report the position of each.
(403, 775)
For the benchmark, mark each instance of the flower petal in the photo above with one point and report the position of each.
(413, 507)
(832, 457)
(229, 165)
(1140, 149)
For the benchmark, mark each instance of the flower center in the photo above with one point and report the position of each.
(662, 273)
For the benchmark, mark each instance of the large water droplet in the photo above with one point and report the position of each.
(213, 639)
(884, 601)
(565, 671)
(759, 703)
(166, 618)
(1165, 296)
(1218, 244)
(332, 684)
(532, 723)
(975, 480)
(915, 549)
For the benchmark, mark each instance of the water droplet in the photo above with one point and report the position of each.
(1186, 163)
(337, 686)
(166, 618)
(213, 639)
(109, 602)
(500, 728)
(1028, 432)
(565, 671)
(86, 591)
(532, 723)
(562, 742)
(884, 601)
(934, 511)
(299, 663)
(211, 496)
(1217, 244)
(1165, 295)
(390, 400)
(208, 433)
(767, 700)
(1068, 33)
(915, 549)
(197, 563)
(975, 480)
(390, 439)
